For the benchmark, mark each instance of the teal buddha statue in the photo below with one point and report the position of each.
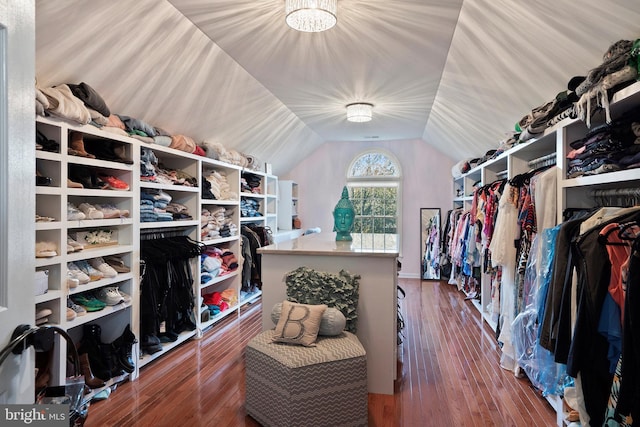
(343, 216)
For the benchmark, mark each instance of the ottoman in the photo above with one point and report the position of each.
(292, 385)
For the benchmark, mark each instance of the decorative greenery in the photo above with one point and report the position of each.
(308, 286)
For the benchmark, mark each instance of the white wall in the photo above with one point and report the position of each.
(427, 183)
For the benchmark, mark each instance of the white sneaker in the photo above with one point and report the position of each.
(74, 272)
(73, 213)
(108, 210)
(93, 273)
(103, 267)
(126, 298)
(109, 295)
(90, 211)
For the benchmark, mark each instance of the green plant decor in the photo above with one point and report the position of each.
(308, 286)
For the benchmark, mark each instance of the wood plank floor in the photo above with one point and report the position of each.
(448, 375)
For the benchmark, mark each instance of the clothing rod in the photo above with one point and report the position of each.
(543, 159)
(502, 174)
(630, 191)
(161, 233)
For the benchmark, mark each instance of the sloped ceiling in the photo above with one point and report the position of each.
(456, 74)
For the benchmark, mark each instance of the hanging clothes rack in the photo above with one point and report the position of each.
(548, 160)
(161, 233)
(623, 197)
(502, 174)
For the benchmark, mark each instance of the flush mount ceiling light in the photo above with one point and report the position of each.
(311, 16)
(359, 112)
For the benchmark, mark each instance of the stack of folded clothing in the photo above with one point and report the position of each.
(250, 183)
(217, 186)
(178, 211)
(153, 206)
(148, 164)
(217, 223)
(249, 208)
(607, 148)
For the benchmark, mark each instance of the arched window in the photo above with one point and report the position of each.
(373, 179)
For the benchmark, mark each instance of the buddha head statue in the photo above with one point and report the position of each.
(343, 216)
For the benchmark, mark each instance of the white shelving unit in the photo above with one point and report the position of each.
(287, 205)
(51, 201)
(571, 193)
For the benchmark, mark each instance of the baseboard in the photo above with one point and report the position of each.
(408, 275)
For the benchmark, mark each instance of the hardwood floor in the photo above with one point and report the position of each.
(448, 375)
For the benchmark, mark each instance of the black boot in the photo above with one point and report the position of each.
(111, 360)
(92, 345)
(122, 348)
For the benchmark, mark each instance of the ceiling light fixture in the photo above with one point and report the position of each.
(311, 16)
(359, 112)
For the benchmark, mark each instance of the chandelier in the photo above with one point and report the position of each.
(311, 16)
(359, 112)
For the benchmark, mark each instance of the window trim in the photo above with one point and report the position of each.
(380, 181)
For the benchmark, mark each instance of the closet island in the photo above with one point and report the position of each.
(377, 303)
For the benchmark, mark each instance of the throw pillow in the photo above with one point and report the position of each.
(332, 322)
(299, 323)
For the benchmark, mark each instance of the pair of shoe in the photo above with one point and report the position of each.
(73, 246)
(150, 344)
(111, 211)
(76, 146)
(93, 273)
(114, 183)
(42, 315)
(89, 302)
(90, 211)
(111, 295)
(78, 310)
(75, 274)
(104, 268)
(46, 249)
(73, 213)
(43, 180)
(117, 263)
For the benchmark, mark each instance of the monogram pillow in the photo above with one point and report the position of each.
(332, 322)
(299, 323)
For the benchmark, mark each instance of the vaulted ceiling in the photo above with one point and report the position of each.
(457, 74)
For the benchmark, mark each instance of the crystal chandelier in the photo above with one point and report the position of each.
(359, 112)
(311, 16)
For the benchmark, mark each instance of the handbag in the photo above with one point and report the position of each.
(71, 393)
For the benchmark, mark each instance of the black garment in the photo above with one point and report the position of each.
(629, 395)
(588, 350)
(550, 331)
(256, 265)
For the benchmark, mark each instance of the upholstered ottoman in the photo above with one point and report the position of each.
(291, 385)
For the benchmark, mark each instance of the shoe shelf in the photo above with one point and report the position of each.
(250, 298)
(50, 295)
(44, 262)
(166, 347)
(218, 317)
(110, 187)
(66, 160)
(95, 315)
(102, 165)
(109, 281)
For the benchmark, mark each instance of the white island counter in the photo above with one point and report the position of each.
(377, 305)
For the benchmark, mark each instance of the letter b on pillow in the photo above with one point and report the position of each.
(299, 323)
